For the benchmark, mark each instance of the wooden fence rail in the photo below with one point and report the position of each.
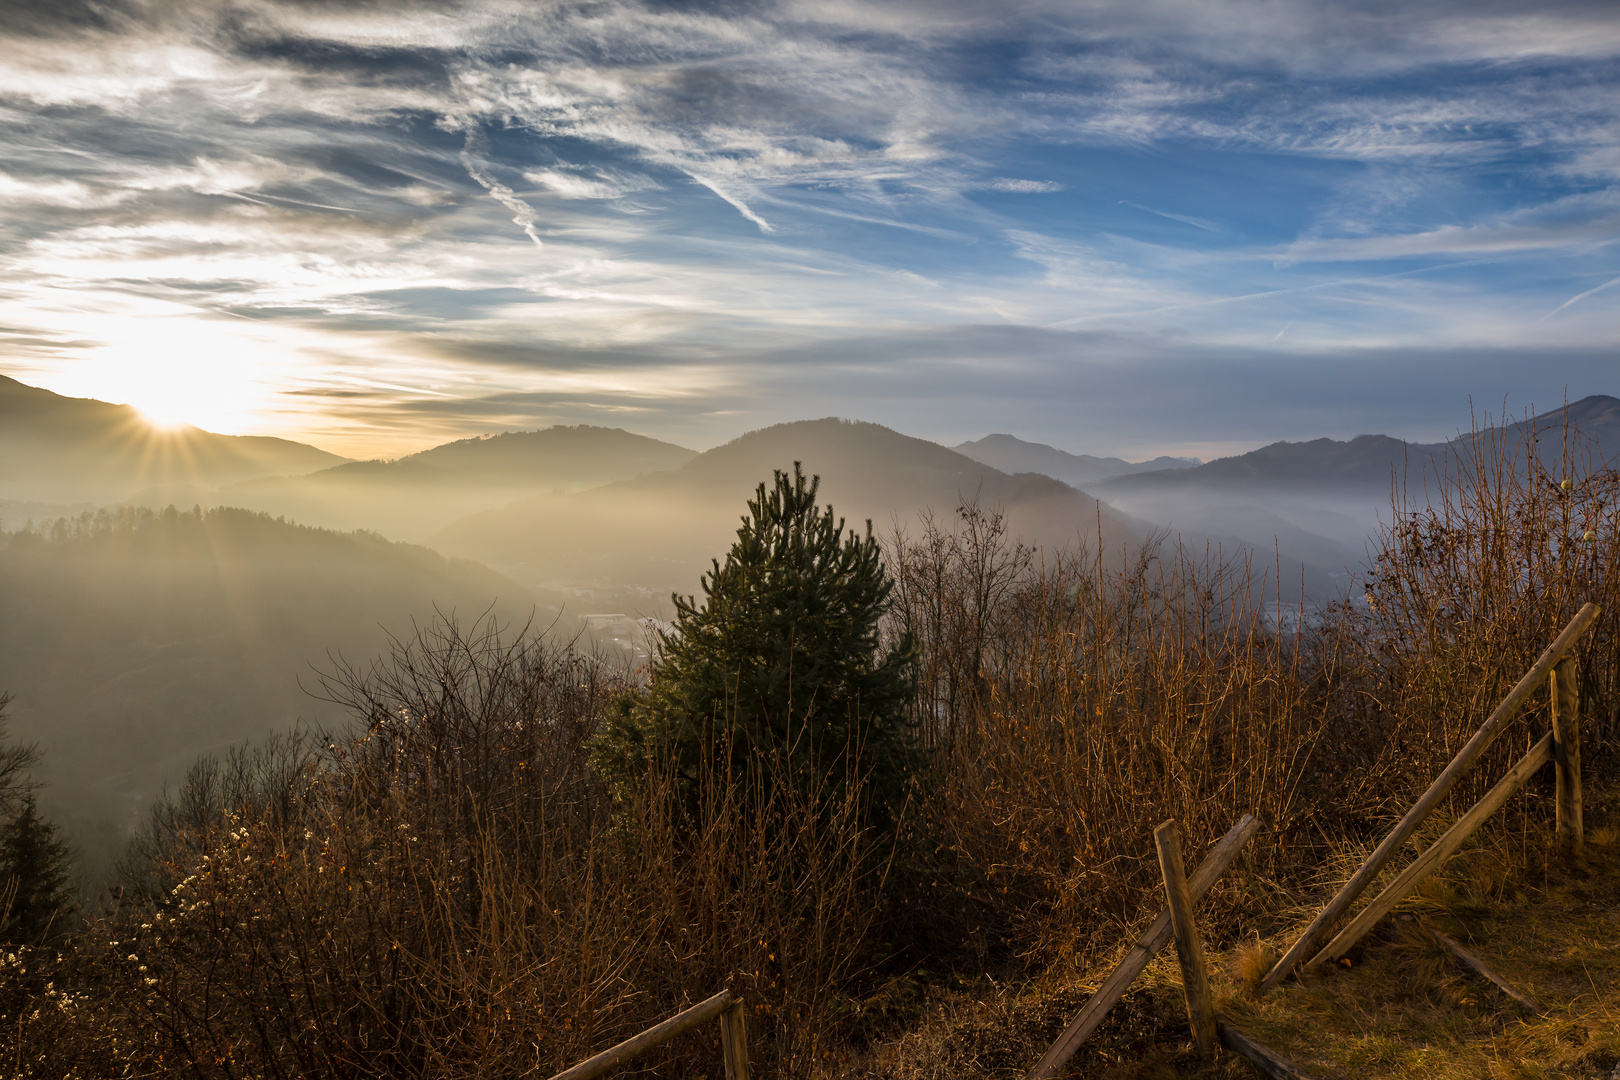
(1442, 849)
(1157, 936)
(733, 1039)
(1430, 799)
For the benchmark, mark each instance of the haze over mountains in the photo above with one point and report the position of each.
(1011, 454)
(1318, 501)
(136, 640)
(412, 497)
(59, 451)
(657, 532)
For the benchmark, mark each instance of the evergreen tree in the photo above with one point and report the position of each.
(782, 665)
(15, 761)
(34, 865)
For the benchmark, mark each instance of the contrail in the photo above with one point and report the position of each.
(1197, 223)
(522, 213)
(1577, 296)
(742, 207)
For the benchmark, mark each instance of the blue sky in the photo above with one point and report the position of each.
(1134, 228)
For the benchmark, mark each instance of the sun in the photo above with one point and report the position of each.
(182, 376)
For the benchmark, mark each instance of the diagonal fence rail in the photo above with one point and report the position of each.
(733, 1039)
(1330, 915)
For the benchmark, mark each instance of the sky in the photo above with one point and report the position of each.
(1144, 227)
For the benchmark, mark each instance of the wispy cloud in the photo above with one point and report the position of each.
(616, 181)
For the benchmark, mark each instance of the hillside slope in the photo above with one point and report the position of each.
(134, 642)
(59, 449)
(659, 532)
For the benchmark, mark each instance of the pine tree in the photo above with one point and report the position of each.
(34, 863)
(782, 664)
(34, 876)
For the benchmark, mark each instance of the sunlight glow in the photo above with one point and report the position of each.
(177, 372)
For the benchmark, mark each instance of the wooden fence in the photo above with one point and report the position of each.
(733, 1039)
(1561, 746)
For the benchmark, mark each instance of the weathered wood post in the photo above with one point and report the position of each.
(1189, 947)
(1566, 718)
(1125, 972)
(734, 1041)
(1470, 752)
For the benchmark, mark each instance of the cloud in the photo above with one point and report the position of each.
(1024, 187)
(735, 193)
(577, 183)
(1574, 220)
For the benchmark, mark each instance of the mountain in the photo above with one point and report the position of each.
(1364, 460)
(414, 496)
(658, 532)
(1319, 501)
(1013, 455)
(58, 450)
(1377, 460)
(133, 641)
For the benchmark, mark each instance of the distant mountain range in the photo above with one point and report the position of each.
(1013, 455)
(590, 508)
(1378, 460)
(659, 531)
(415, 496)
(62, 450)
(1319, 501)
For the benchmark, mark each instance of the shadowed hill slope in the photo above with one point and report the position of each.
(1320, 500)
(135, 641)
(658, 532)
(1377, 460)
(62, 450)
(416, 495)
(1011, 454)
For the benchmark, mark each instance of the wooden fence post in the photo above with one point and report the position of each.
(1397, 838)
(734, 1041)
(1125, 972)
(1189, 947)
(1566, 718)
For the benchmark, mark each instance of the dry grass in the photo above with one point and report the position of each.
(449, 891)
(1403, 1008)
(1406, 1008)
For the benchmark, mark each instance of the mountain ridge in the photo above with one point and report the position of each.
(1011, 454)
(868, 472)
(60, 449)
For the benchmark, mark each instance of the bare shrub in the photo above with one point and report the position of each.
(1476, 575)
(1090, 704)
(448, 892)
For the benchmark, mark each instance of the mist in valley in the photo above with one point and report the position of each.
(140, 633)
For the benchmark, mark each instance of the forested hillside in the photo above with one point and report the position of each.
(135, 640)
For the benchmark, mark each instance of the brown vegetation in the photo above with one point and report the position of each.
(449, 891)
